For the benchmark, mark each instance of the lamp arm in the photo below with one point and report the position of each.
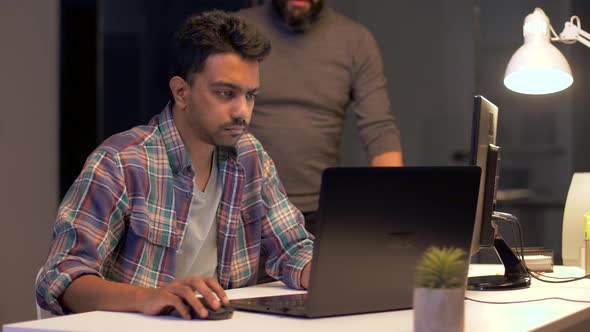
(572, 32)
(584, 37)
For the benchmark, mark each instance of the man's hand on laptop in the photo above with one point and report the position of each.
(305, 275)
(155, 300)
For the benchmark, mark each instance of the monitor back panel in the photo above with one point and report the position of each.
(375, 223)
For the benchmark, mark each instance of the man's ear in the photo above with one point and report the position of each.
(180, 91)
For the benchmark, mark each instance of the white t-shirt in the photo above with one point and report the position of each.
(197, 256)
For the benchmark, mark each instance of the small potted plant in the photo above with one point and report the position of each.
(440, 290)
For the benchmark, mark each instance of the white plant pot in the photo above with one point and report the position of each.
(439, 309)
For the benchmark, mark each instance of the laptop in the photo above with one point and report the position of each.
(374, 225)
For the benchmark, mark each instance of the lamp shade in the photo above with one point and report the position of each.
(537, 67)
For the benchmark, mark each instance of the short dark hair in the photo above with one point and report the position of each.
(210, 33)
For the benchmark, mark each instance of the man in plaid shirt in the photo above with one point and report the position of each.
(184, 204)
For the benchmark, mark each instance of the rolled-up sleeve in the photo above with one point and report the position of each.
(288, 244)
(376, 122)
(87, 229)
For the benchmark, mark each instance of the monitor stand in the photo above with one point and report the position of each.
(515, 276)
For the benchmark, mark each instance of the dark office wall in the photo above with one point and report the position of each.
(78, 81)
(581, 104)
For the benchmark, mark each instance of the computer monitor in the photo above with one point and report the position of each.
(486, 154)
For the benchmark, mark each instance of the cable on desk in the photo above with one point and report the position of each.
(510, 218)
(566, 279)
(526, 301)
(541, 274)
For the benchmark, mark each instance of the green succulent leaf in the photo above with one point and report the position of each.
(441, 268)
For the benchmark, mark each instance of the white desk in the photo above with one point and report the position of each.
(551, 315)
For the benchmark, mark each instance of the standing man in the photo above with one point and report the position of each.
(322, 63)
(185, 203)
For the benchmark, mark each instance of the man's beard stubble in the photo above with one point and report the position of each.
(298, 20)
(237, 123)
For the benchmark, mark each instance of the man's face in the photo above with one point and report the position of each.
(221, 99)
(298, 14)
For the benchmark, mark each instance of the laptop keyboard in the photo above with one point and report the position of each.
(291, 301)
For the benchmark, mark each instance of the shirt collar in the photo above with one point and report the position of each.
(175, 149)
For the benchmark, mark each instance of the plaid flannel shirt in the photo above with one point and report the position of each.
(125, 215)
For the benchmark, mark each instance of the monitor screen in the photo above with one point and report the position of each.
(484, 153)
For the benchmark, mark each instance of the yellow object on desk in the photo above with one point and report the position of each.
(587, 241)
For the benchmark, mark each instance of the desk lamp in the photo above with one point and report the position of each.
(538, 67)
